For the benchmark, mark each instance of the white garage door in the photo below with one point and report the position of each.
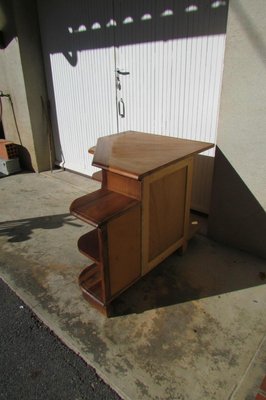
(153, 66)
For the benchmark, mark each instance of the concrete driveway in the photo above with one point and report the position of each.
(192, 329)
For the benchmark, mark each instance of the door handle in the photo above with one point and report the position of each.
(122, 72)
(121, 108)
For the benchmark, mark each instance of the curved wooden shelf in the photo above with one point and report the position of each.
(97, 176)
(88, 245)
(90, 282)
(101, 206)
(92, 150)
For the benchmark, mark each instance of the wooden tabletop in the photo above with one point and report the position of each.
(136, 154)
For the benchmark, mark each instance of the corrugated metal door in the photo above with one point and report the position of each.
(147, 65)
(174, 66)
(78, 48)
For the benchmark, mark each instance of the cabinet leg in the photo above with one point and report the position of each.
(183, 248)
(109, 310)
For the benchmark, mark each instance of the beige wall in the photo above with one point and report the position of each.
(239, 191)
(24, 81)
(12, 83)
(27, 25)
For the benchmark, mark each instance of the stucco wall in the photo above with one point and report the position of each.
(27, 25)
(12, 83)
(23, 79)
(238, 204)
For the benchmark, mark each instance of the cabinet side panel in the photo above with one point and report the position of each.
(166, 211)
(124, 250)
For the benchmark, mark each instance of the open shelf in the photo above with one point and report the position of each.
(100, 206)
(90, 281)
(88, 245)
(98, 176)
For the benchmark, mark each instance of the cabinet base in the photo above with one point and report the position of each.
(91, 285)
(106, 310)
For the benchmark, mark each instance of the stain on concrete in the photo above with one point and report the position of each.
(142, 388)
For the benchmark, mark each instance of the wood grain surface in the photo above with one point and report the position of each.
(100, 206)
(136, 154)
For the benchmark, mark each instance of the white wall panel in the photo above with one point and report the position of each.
(178, 95)
(80, 75)
(85, 105)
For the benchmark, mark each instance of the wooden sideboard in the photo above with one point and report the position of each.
(140, 215)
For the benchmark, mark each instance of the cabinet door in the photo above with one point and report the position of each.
(166, 208)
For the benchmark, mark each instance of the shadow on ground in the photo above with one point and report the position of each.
(21, 230)
(202, 272)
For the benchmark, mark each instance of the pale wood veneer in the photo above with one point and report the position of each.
(136, 154)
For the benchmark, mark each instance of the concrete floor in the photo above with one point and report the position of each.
(192, 329)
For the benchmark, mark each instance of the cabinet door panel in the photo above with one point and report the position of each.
(166, 207)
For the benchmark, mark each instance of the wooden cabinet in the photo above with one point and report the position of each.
(114, 245)
(141, 213)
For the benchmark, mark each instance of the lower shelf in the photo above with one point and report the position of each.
(88, 245)
(90, 282)
(98, 176)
